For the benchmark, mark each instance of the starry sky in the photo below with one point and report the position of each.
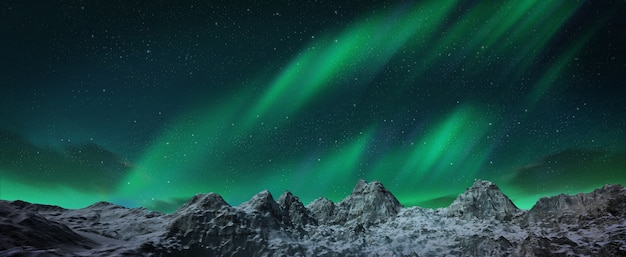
(146, 103)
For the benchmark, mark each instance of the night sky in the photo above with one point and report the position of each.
(146, 103)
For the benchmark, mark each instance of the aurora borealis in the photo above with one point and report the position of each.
(148, 103)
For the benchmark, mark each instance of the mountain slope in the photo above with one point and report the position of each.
(369, 222)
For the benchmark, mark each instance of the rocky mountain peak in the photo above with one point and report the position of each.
(210, 201)
(295, 210)
(101, 205)
(287, 198)
(366, 223)
(369, 203)
(263, 202)
(362, 187)
(483, 200)
(322, 209)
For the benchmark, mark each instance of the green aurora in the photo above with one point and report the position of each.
(316, 122)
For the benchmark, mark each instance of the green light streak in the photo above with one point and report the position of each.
(493, 21)
(362, 49)
(280, 91)
(453, 147)
(184, 149)
(329, 174)
(549, 79)
(339, 167)
(323, 174)
(451, 151)
(515, 30)
(444, 144)
(511, 13)
(534, 32)
(366, 46)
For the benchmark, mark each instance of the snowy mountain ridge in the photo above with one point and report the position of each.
(369, 222)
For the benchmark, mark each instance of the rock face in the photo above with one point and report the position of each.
(295, 211)
(22, 227)
(610, 199)
(369, 203)
(369, 222)
(322, 209)
(483, 200)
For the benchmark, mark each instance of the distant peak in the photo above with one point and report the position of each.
(287, 198)
(362, 187)
(100, 205)
(262, 202)
(264, 195)
(484, 184)
(295, 210)
(483, 200)
(322, 209)
(322, 200)
(369, 203)
(206, 201)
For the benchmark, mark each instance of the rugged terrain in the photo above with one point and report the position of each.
(369, 222)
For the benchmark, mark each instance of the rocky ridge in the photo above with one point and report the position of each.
(369, 222)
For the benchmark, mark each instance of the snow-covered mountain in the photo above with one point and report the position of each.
(369, 222)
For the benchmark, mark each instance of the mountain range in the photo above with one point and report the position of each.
(482, 221)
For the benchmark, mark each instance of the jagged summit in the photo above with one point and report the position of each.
(369, 222)
(205, 201)
(295, 211)
(105, 205)
(287, 198)
(483, 200)
(322, 209)
(362, 187)
(369, 203)
(261, 202)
